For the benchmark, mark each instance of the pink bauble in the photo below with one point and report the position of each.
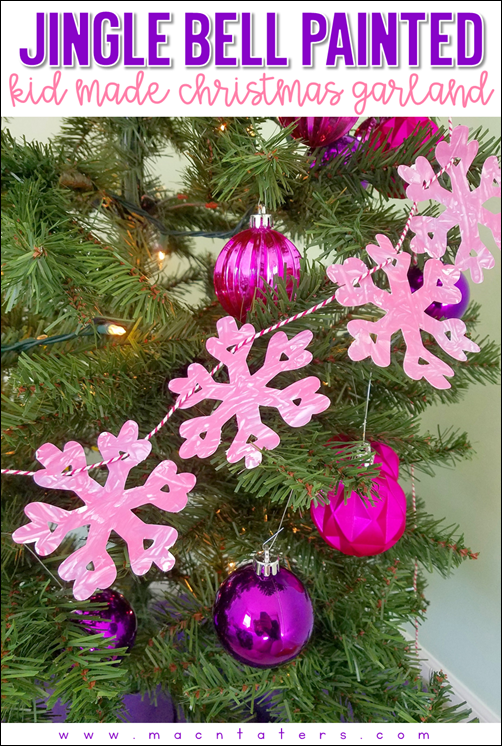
(395, 130)
(318, 131)
(359, 528)
(252, 260)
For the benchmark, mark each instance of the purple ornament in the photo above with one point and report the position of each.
(144, 709)
(358, 528)
(263, 621)
(116, 621)
(318, 131)
(138, 708)
(346, 145)
(438, 310)
(251, 260)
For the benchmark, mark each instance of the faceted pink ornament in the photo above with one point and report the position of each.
(318, 131)
(106, 508)
(252, 260)
(359, 528)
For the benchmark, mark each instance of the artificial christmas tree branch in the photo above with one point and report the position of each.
(358, 666)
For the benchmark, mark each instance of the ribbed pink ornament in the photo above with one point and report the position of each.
(251, 260)
(317, 131)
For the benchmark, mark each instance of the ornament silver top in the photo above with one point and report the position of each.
(265, 565)
(367, 451)
(261, 219)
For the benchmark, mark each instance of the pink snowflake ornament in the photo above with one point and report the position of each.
(463, 206)
(404, 311)
(246, 392)
(107, 508)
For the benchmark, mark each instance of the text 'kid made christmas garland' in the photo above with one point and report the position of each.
(405, 307)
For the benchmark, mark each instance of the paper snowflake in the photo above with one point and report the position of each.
(107, 508)
(246, 392)
(463, 207)
(404, 311)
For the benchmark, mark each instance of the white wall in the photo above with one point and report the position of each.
(462, 630)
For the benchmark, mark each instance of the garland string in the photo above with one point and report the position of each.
(278, 325)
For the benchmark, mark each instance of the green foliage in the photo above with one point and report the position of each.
(83, 221)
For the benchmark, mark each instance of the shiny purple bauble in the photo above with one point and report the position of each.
(441, 311)
(116, 621)
(252, 260)
(263, 621)
(346, 145)
(318, 131)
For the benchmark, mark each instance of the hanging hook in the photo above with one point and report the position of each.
(367, 407)
(273, 538)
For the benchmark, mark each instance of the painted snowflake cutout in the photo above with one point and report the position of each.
(246, 392)
(107, 508)
(404, 311)
(463, 207)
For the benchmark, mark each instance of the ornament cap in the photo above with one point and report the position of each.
(261, 219)
(264, 565)
(367, 451)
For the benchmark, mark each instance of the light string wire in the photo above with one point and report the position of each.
(257, 335)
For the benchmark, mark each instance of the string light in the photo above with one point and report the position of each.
(161, 256)
(115, 330)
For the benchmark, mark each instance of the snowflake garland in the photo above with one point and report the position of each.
(463, 207)
(246, 392)
(107, 508)
(404, 311)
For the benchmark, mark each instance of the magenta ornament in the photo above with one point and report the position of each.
(319, 131)
(246, 392)
(252, 260)
(106, 508)
(441, 310)
(464, 207)
(356, 527)
(390, 133)
(404, 310)
(117, 621)
(263, 621)
(394, 131)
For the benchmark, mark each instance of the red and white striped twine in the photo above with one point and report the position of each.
(278, 325)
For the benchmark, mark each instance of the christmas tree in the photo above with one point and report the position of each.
(107, 299)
